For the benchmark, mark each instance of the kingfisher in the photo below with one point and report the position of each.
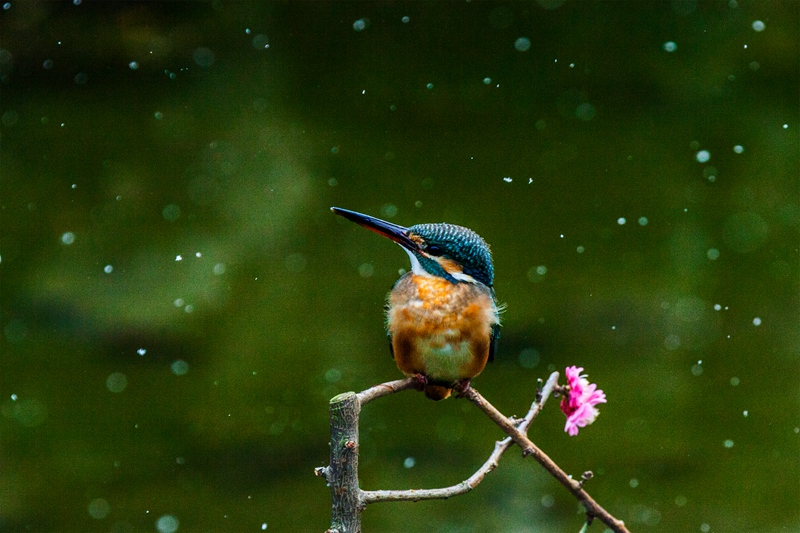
(442, 318)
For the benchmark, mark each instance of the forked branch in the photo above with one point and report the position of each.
(348, 500)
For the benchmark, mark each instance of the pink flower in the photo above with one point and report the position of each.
(579, 404)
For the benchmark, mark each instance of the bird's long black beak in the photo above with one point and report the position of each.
(398, 234)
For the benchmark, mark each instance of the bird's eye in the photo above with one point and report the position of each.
(432, 249)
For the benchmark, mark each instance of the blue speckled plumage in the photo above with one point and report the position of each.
(462, 245)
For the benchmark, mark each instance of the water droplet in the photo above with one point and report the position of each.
(621, 221)
(409, 462)
(203, 57)
(429, 86)
(133, 65)
(405, 20)
(295, 262)
(167, 524)
(487, 81)
(643, 221)
(734, 381)
(633, 483)
(219, 269)
(738, 149)
(178, 257)
(260, 42)
(171, 212)
(180, 367)
(108, 269)
(585, 112)
(756, 321)
(99, 508)
(141, 351)
(580, 249)
(672, 342)
(333, 375)
(117, 382)
(361, 24)
(712, 254)
(703, 156)
(68, 238)
(758, 26)
(366, 270)
(529, 358)
(389, 210)
(670, 46)
(523, 44)
(158, 115)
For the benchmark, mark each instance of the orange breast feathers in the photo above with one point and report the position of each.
(439, 329)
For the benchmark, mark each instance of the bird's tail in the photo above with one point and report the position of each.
(437, 392)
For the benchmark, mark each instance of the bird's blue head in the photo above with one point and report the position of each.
(455, 253)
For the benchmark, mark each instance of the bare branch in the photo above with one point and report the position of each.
(385, 389)
(342, 474)
(593, 509)
(415, 495)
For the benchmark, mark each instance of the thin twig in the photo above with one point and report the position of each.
(593, 509)
(415, 495)
(385, 389)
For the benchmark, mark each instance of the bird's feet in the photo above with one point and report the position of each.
(461, 387)
(422, 381)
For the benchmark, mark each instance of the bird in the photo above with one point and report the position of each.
(442, 317)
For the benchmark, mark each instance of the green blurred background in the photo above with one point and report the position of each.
(178, 304)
